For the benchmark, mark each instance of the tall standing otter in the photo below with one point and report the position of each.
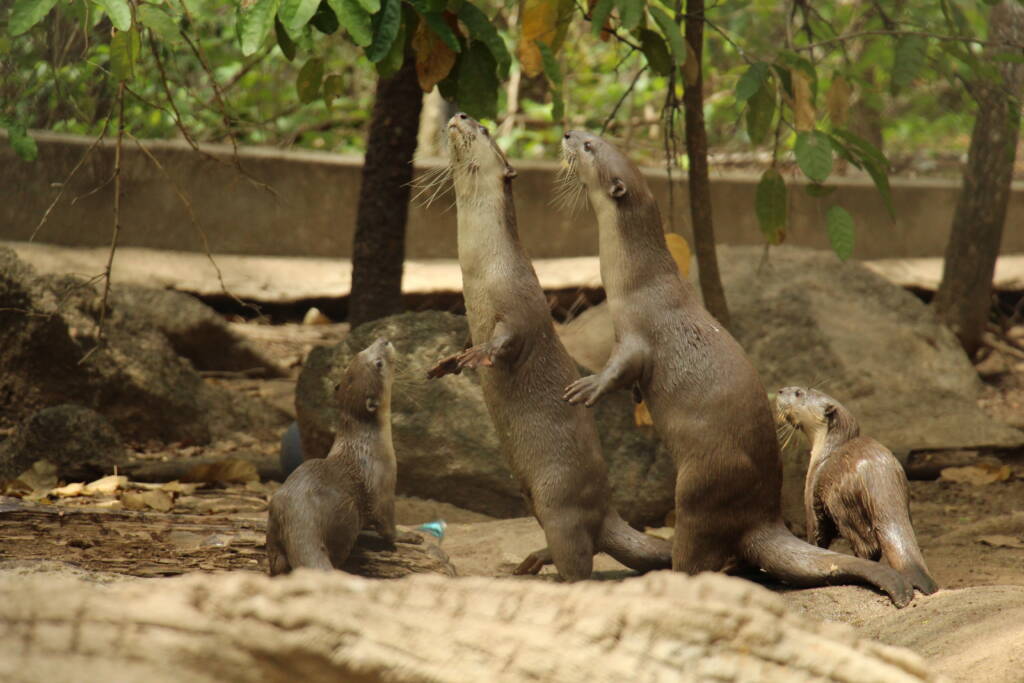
(855, 486)
(552, 447)
(323, 505)
(704, 395)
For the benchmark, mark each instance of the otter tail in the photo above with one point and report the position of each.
(899, 548)
(633, 548)
(783, 556)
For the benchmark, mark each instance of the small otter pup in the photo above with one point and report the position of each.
(317, 513)
(855, 486)
(551, 446)
(704, 395)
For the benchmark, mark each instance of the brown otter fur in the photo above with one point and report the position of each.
(552, 447)
(704, 395)
(855, 487)
(317, 513)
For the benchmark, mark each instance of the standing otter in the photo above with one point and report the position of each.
(323, 505)
(855, 486)
(704, 395)
(552, 447)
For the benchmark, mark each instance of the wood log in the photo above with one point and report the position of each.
(331, 626)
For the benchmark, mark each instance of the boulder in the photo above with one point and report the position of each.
(79, 441)
(444, 440)
(50, 354)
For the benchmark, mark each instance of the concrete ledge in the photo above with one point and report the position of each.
(283, 280)
(311, 210)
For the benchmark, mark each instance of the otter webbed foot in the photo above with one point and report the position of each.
(586, 390)
(534, 562)
(408, 537)
(475, 356)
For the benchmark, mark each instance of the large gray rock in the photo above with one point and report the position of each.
(79, 441)
(49, 355)
(446, 446)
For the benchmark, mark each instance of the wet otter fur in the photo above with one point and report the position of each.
(855, 487)
(552, 447)
(324, 503)
(704, 395)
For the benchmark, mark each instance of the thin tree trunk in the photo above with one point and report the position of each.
(700, 188)
(378, 247)
(965, 293)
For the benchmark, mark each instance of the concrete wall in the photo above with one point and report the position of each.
(311, 208)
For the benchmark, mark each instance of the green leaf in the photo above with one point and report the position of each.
(770, 205)
(21, 142)
(631, 13)
(295, 14)
(751, 81)
(478, 84)
(672, 35)
(449, 86)
(309, 80)
(395, 56)
(656, 51)
(814, 155)
(370, 6)
(554, 74)
(881, 179)
(334, 87)
(599, 16)
(354, 18)
(481, 28)
(865, 149)
(119, 12)
(124, 52)
(816, 190)
(385, 29)
(27, 13)
(839, 224)
(325, 20)
(908, 60)
(439, 26)
(785, 78)
(165, 27)
(284, 41)
(791, 60)
(760, 112)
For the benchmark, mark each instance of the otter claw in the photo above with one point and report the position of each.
(533, 563)
(475, 356)
(445, 366)
(585, 390)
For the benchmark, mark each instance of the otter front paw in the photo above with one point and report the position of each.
(534, 562)
(475, 356)
(585, 390)
(408, 537)
(446, 366)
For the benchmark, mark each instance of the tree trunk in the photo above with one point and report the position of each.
(964, 297)
(700, 187)
(378, 247)
(329, 626)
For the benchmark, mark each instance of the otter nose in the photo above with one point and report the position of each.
(567, 135)
(463, 116)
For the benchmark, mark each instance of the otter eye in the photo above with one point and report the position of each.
(484, 131)
(798, 393)
(588, 147)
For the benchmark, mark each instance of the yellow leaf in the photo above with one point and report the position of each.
(803, 106)
(691, 69)
(838, 100)
(680, 250)
(434, 59)
(543, 20)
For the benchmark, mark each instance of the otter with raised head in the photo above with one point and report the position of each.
(855, 487)
(320, 509)
(552, 447)
(703, 394)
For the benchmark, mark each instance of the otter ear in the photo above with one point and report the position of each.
(830, 412)
(617, 189)
(372, 405)
(510, 173)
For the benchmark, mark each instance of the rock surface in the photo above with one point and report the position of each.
(49, 354)
(445, 442)
(79, 441)
(320, 626)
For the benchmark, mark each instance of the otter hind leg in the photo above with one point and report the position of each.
(571, 545)
(695, 550)
(900, 549)
(789, 559)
